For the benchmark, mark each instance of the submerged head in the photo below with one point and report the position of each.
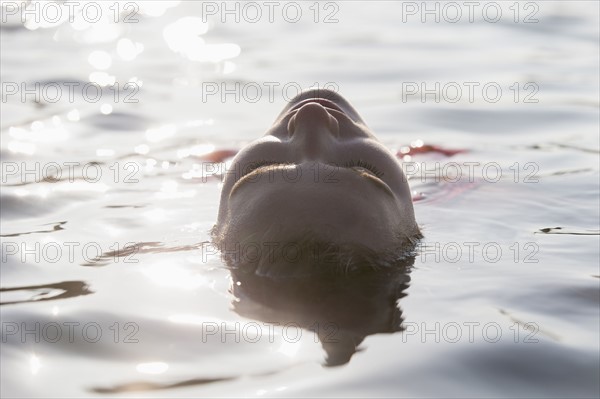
(318, 179)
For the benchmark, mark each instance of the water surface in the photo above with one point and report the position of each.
(501, 300)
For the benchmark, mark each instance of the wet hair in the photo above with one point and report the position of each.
(308, 255)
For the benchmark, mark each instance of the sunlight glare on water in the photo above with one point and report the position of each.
(112, 171)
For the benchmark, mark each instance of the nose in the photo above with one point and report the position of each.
(313, 129)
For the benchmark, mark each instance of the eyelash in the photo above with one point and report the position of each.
(252, 166)
(352, 163)
(362, 164)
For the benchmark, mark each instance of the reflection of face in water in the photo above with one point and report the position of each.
(341, 310)
(317, 223)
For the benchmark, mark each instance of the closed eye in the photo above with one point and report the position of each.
(252, 166)
(365, 165)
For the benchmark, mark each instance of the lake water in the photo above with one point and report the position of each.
(108, 285)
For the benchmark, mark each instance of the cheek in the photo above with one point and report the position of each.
(264, 149)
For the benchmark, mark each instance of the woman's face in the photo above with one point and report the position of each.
(318, 171)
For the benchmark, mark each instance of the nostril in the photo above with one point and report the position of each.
(313, 117)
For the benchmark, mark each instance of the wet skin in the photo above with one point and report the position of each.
(318, 171)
